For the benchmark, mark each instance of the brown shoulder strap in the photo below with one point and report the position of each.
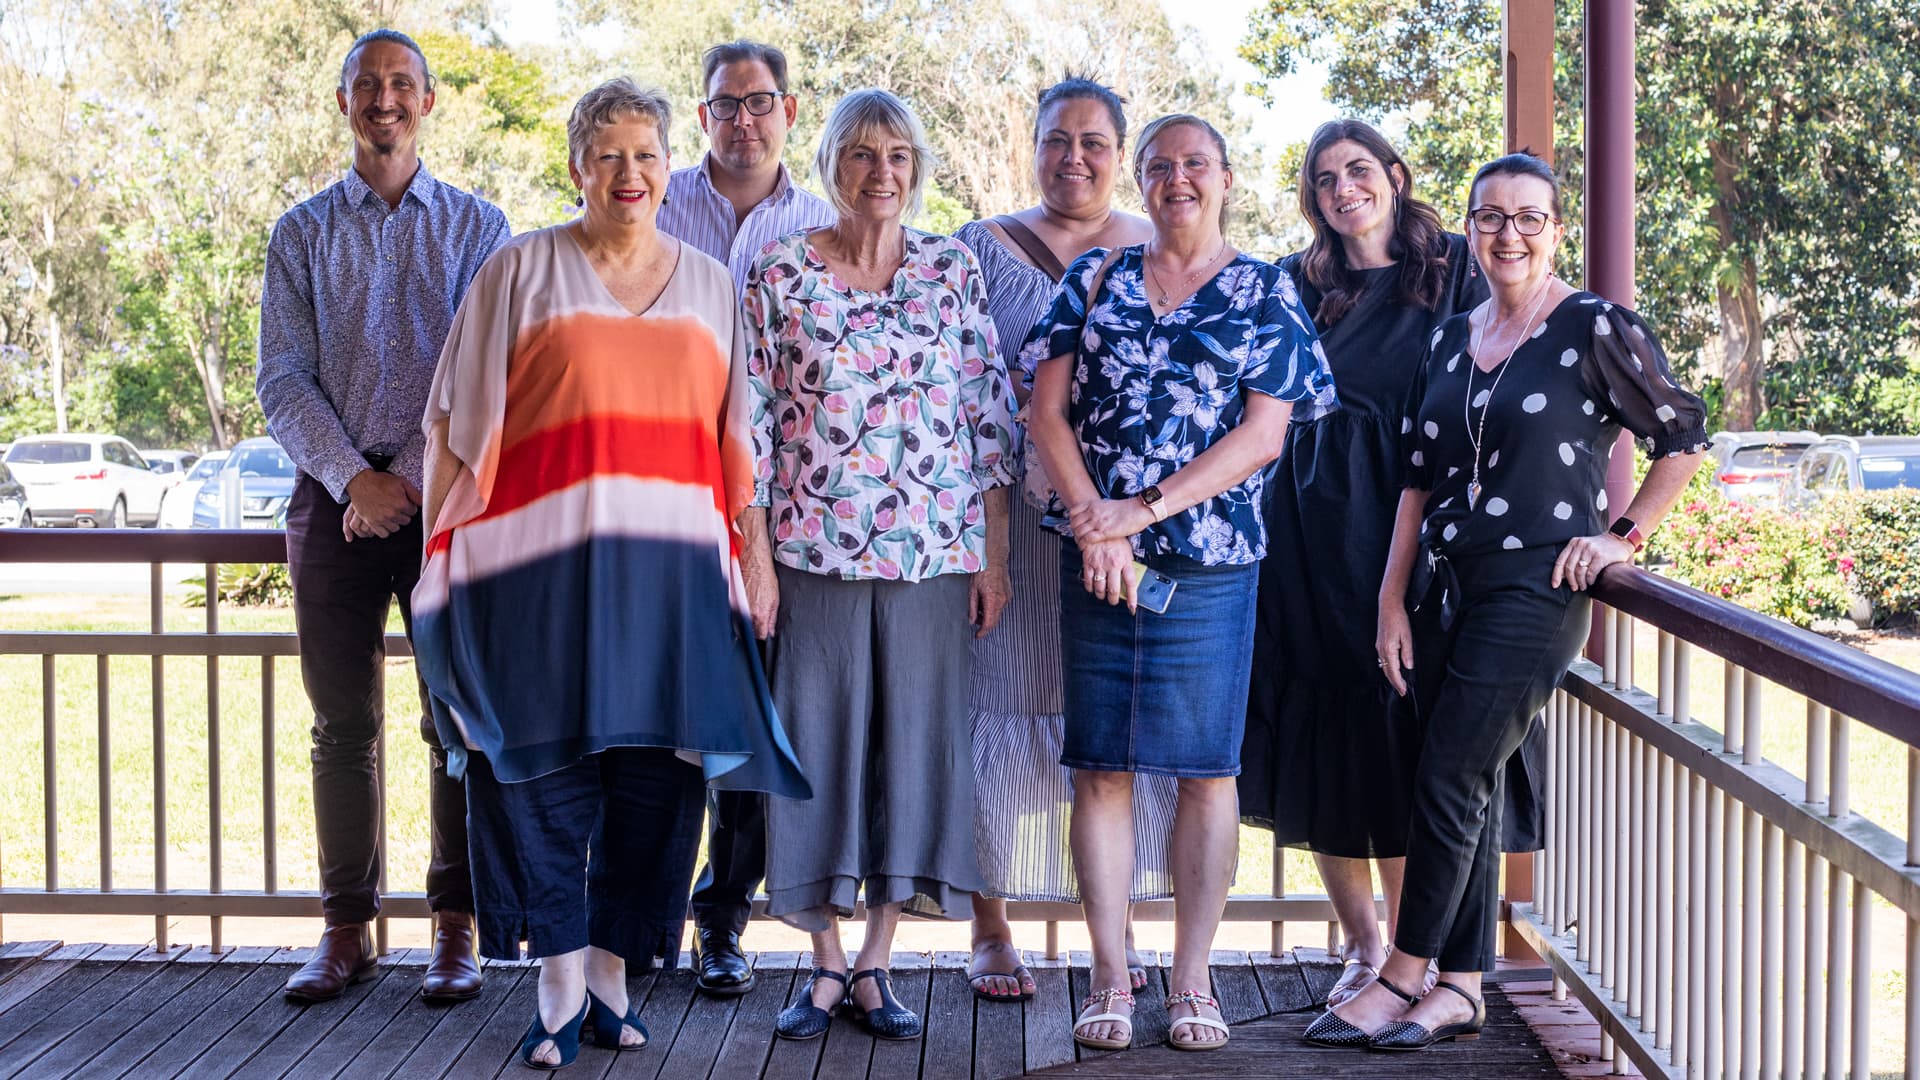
(1028, 241)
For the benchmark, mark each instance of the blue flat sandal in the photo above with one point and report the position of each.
(566, 1040)
(803, 1019)
(604, 1024)
(891, 1020)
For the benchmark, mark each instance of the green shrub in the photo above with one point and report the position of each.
(1881, 541)
(247, 584)
(1762, 559)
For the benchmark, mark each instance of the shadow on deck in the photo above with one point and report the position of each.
(122, 1010)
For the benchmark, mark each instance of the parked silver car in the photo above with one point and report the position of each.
(1839, 464)
(1757, 466)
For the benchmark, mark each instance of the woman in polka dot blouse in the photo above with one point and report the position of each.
(1503, 525)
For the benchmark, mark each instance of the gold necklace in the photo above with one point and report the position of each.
(1476, 434)
(1191, 278)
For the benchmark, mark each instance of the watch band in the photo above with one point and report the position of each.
(1626, 529)
(1156, 502)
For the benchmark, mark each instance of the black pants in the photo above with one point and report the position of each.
(597, 853)
(341, 595)
(736, 860)
(1481, 673)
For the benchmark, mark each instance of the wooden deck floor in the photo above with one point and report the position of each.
(106, 1011)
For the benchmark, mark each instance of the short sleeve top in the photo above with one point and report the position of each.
(1150, 393)
(879, 418)
(1547, 425)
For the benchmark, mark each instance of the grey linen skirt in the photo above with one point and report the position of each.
(870, 679)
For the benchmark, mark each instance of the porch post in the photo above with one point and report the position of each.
(1609, 200)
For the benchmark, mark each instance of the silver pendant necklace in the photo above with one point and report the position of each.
(1155, 278)
(1476, 433)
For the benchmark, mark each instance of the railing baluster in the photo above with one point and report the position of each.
(1712, 1031)
(1770, 945)
(1861, 1027)
(156, 619)
(380, 780)
(1633, 865)
(1732, 732)
(1699, 861)
(1666, 902)
(1279, 889)
(1839, 740)
(103, 708)
(1543, 893)
(1752, 948)
(1752, 716)
(1625, 641)
(1565, 738)
(1664, 654)
(1793, 955)
(1814, 1009)
(269, 800)
(213, 761)
(1682, 681)
(1622, 901)
(49, 774)
(1608, 907)
(1817, 734)
(1839, 888)
(1732, 927)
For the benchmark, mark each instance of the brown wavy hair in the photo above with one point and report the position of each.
(1419, 241)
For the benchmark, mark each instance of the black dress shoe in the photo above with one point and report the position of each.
(1404, 1035)
(1332, 1030)
(722, 968)
(890, 1020)
(803, 1019)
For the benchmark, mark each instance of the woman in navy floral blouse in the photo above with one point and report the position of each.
(1187, 359)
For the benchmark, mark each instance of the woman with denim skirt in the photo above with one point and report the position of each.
(1166, 374)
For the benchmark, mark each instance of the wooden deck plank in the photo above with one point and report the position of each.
(999, 1038)
(948, 1050)
(20, 955)
(413, 1025)
(450, 1038)
(305, 1026)
(1049, 1022)
(696, 1046)
(1320, 970)
(47, 1008)
(162, 1023)
(748, 1041)
(493, 1046)
(846, 1050)
(378, 1008)
(1283, 984)
(42, 973)
(126, 1005)
(896, 1058)
(1237, 988)
(209, 1032)
(669, 996)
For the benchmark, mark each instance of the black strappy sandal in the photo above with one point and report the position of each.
(1406, 1035)
(1329, 1029)
(891, 1020)
(803, 1019)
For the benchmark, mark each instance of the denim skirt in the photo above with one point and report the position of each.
(1161, 694)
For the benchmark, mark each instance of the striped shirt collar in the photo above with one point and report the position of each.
(783, 187)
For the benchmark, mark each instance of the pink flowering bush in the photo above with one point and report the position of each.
(1881, 544)
(1765, 560)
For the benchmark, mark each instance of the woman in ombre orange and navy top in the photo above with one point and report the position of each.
(582, 620)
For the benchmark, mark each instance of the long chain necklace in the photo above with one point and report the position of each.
(1191, 278)
(1476, 433)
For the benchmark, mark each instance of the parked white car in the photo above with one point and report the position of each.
(86, 480)
(172, 464)
(176, 510)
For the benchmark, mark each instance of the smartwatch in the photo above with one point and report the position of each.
(1155, 501)
(1625, 529)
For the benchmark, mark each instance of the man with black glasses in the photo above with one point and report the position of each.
(730, 205)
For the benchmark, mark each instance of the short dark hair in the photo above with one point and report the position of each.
(1079, 88)
(384, 34)
(735, 52)
(1522, 163)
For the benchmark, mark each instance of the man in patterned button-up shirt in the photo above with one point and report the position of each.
(362, 282)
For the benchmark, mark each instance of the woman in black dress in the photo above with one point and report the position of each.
(1503, 525)
(1328, 764)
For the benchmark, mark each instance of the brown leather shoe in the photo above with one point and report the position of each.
(344, 957)
(454, 972)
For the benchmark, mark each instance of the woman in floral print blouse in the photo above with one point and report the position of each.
(883, 440)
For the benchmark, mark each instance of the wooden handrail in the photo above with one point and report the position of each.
(143, 545)
(1866, 688)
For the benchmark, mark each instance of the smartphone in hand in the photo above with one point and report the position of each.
(1152, 589)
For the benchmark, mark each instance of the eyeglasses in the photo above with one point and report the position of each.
(1194, 165)
(726, 108)
(1489, 221)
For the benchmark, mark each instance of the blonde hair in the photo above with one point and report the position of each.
(1166, 123)
(871, 116)
(609, 103)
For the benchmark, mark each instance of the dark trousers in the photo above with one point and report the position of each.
(341, 595)
(1480, 676)
(597, 853)
(736, 860)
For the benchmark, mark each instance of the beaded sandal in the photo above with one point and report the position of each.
(1103, 1000)
(1193, 999)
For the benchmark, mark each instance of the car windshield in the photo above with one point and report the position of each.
(261, 461)
(1774, 456)
(206, 468)
(1883, 473)
(50, 453)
